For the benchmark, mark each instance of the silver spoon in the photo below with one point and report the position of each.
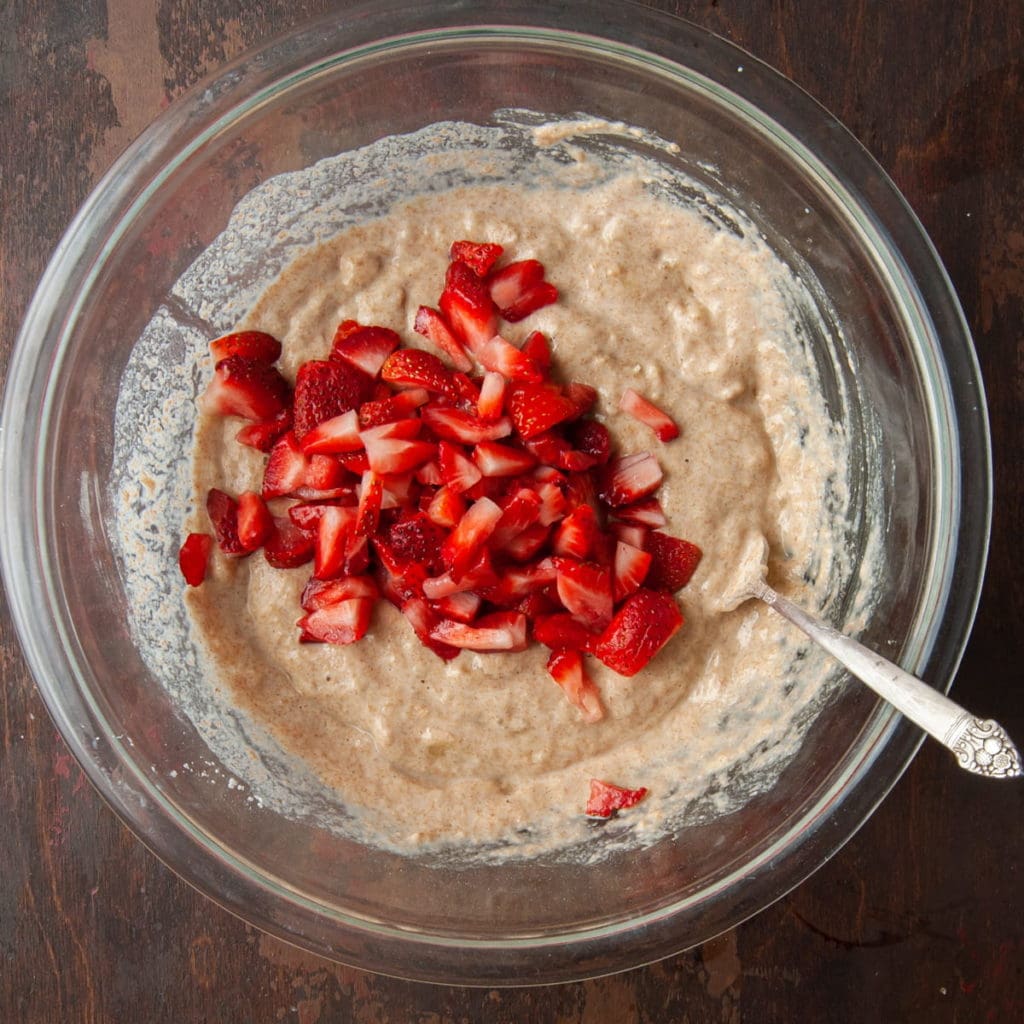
(980, 745)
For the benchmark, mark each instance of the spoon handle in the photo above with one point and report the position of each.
(980, 745)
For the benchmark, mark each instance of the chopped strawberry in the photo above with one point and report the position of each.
(341, 623)
(521, 510)
(456, 425)
(429, 473)
(388, 454)
(519, 288)
(535, 408)
(592, 438)
(673, 561)
(435, 328)
(566, 668)
(516, 582)
(585, 590)
(467, 306)
(583, 396)
(423, 619)
(247, 388)
(355, 462)
(366, 348)
(194, 556)
(333, 531)
(644, 623)
(306, 515)
(647, 412)
(538, 349)
(523, 546)
(577, 533)
(414, 368)
(223, 512)
(324, 593)
(263, 435)
(417, 539)
(446, 508)
(560, 630)
(505, 634)
(469, 390)
(325, 389)
(552, 504)
(338, 434)
(458, 472)
(286, 468)
(630, 478)
(501, 356)
(480, 577)
(643, 513)
(628, 533)
(500, 460)
(462, 547)
(549, 446)
(580, 489)
(392, 408)
(480, 256)
(255, 345)
(324, 473)
(288, 546)
(577, 462)
(630, 569)
(255, 523)
(605, 798)
(462, 607)
(491, 403)
(368, 511)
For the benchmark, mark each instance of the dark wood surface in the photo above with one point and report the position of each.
(919, 918)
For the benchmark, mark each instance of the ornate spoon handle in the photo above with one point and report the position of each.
(981, 745)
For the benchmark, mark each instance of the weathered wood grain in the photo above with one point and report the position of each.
(917, 920)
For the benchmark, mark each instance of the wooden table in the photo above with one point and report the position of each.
(919, 918)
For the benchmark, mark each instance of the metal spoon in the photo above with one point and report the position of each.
(980, 745)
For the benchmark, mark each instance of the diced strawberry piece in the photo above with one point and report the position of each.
(404, 430)
(366, 348)
(446, 508)
(458, 472)
(461, 548)
(388, 454)
(244, 387)
(506, 634)
(516, 582)
(325, 389)
(552, 504)
(535, 408)
(286, 468)
(519, 288)
(540, 603)
(222, 510)
(501, 356)
(414, 368)
(429, 474)
(577, 462)
(543, 294)
(547, 475)
(467, 306)
(580, 489)
(435, 328)
(647, 513)
(577, 533)
(549, 446)
(324, 473)
(341, 623)
(673, 561)
(255, 523)
(306, 516)
(288, 546)
(462, 607)
(630, 570)
(592, 438)
(583, 396)
(521, 510)
(566, 668)
(631, 534)
(264, 435)
(405, 578)
(523, 546)
(538, 349)
(333, 531)
(355, 462)
(368, 511)
(392, 408)
(605, 798)
(491, 403)
(194, 557)
(423, 619)
(256, 345)
(479, 578)
(338, 434)
(630, 478)
(456, 425)
(643, 625)
(501, 460)
(324, 593)
(480, 256)
(648, 413)
(585, 590)
(417, 539)
(560, 630)
(469, 390)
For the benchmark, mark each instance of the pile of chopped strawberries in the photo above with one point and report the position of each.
(474, 492)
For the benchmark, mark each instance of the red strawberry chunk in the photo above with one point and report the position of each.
(223, 512)
(566, 668)
(456, 425)
(645, 622)
(194, 557)
(342, 623)
(628, 533)
(549, 446)
(392, 408)
(255, 523)
(247, 388)
(506, 634)
(629, 479)
(592, 438)
(355, 462)
(501, 356)
(630, 569)
(366, 348)
(513, 282)
(324, 473)
(286, 468)
(647, 412)
(583, 396)
(605, 798)
(463, 544)
(673, 561)
(446, 508)
(263, 435)
(324, 593)
(500, 460)
(423, 619)
(388, 454)
(414, 368)
(521, 510)
(288, 546)
(523, 546)
(585, 590)
(325, 389)
(491, 403)
(333, 531)
(435, 328)
(577, 533)
(543, 294)
(338, 434)
(256, 345)
(462, 607)
(643, 513)
(552, 504)
(429, 473)
(535, 408)
(560, 630)
(537, 349)
(306, 516)
(480, 256)
(467, 306)
(458, 472)
(418, 540)
(516, 582)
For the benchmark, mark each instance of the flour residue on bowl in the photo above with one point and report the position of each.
(664, 288)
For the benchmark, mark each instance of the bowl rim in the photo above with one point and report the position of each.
(632, 32)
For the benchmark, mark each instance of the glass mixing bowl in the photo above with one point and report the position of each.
(382, 69)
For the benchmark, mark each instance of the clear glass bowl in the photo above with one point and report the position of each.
(342, 83)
